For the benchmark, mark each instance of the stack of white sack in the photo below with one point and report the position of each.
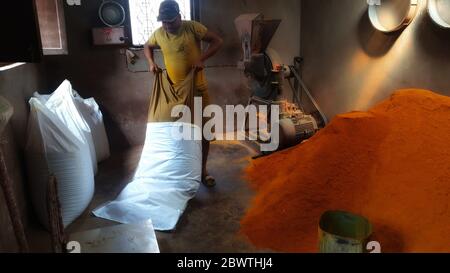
(62, 132)
(52, 149)
(93, 117)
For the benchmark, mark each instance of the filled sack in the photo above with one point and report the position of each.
(53, 149)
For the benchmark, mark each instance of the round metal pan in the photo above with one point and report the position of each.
(112, 13)
(439, 11)
(392, 15)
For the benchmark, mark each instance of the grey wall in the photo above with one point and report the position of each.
(124, 96)
(350, 66)
(17, 86)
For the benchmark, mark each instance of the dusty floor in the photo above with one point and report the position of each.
(211, 221)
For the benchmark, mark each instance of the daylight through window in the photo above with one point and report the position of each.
(143, 14)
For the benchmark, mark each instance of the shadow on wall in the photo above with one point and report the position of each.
(375, 43)
(434, 40)
(116, 136)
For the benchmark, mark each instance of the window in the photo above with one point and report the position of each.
(143, 14)
(52, 26)
(32, 28)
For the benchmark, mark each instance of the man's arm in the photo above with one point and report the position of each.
(215, 43)
(148, 51)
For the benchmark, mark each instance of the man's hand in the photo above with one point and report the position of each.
(198, 65)
(215, 43)
(153, 68)
(148, 51)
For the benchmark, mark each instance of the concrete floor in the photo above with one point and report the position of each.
(211, 221)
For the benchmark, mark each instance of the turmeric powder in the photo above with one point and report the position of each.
(390, 164)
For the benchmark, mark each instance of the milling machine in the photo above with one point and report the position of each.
(265, 81)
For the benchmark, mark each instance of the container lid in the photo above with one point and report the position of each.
(439, 11)
(392, 15)
(346, 225)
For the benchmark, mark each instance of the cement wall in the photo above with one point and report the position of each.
(17, 85)
(351, 66)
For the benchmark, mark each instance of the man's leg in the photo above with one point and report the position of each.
(207, 179)
(205, 152)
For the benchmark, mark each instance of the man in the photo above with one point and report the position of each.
(180, 44)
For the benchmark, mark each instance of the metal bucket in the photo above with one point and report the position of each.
(343, 232)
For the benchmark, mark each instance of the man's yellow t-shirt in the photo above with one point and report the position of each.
(181, 51)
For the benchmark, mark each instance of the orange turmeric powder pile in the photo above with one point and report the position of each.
(390, 164)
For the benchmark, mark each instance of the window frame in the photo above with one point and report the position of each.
(24, 31)
(63, 49)
(195, 16)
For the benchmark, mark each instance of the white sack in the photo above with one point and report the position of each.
(42, 98)
(61, 103)
(91, 113)
(167, 177)
(52, 149)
